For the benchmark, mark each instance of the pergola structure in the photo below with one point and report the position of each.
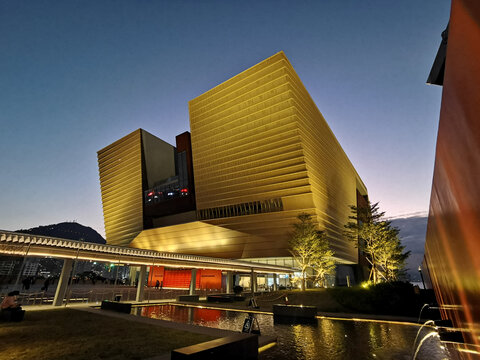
(27, 245)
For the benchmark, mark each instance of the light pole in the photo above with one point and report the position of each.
(421, 275)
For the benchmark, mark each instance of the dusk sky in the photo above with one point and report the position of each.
(77, 75)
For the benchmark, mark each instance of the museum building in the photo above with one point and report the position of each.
(259, 153)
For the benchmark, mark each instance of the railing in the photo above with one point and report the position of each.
(34, 298)
(96, 296)
(14, 241)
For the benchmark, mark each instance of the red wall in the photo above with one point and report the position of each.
(452, 249)
(173, 278)
(209, 279)
(156, 273)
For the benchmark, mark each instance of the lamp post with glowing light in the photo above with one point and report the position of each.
(421, 275)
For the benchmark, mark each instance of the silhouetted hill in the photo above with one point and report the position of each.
(67, 230)
(412, 233)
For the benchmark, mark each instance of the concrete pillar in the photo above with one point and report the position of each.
(22, 267)
(141, 283)
(275, 287)
(133, 275)
(229, 282)
(253, 281)
(193, 282)
(63, 282)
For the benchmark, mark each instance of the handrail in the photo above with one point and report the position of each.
(53, 242)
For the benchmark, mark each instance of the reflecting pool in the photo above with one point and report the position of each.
(323, 339)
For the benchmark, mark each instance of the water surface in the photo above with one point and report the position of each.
(324, 339)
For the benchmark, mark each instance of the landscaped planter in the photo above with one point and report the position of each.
(116, 306)
(225, 298)
(194, 298)
(219, 298)
(294, 313)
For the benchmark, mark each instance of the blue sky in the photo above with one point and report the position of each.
(77, 75)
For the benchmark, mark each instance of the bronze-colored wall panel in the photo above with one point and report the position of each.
(235, 237)
(159, 158)
(259, 136)
(126, 168)
(120, 168)
(452, 249)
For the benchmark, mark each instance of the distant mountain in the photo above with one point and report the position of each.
(413, 230)
(67, 230)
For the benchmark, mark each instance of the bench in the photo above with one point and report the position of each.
(188, 298)
(219, 298)
(294, 313)
(116, 306)
(233, 347)
(225, 298)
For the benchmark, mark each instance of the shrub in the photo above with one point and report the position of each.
(392, 298)
(237, 289)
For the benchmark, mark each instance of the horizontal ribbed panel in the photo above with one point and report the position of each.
(120, 168)
(259, 136)
(245, 139)
(332, 177)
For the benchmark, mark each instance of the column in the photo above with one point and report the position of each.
(193, 282)
(63, 282)
(22, 267)
(133, 275)
(253, 281)
(229, 282)
(275, 287)
(141, 283)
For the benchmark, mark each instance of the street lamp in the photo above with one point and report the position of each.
(421, 275)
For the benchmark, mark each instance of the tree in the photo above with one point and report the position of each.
(378, 241)
(323, 263)
(391, 255)
(310, 249)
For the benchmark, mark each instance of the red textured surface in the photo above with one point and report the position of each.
(209, 279)
(453, 234)
(177, 278)
(206, 279)
(156, 273)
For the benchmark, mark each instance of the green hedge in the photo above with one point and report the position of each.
(393, 298)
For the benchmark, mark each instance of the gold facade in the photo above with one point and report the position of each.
(120, 168)
(262, 154)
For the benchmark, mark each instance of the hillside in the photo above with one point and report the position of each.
(67, 230)
(412, 233)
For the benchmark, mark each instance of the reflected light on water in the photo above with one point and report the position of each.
(325, 339)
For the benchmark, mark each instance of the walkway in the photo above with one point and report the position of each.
(13, 243)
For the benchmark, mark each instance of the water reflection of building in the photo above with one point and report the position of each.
(453, 247)
(260, 153)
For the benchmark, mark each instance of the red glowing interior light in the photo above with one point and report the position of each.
(150, 193)
(184, 190)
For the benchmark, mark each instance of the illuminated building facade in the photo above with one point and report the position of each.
(261, 154)
(452, 246)
(142, 179)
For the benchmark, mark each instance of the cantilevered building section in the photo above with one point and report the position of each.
(127, 168)
(262, 154)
